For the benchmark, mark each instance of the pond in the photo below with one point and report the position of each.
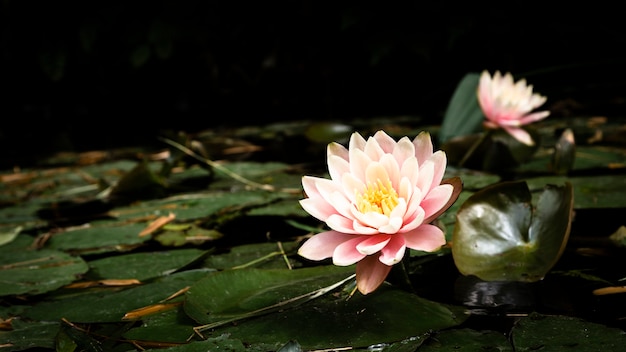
(193, 246)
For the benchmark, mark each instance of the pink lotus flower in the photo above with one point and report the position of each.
(508, 105)
(380, 199)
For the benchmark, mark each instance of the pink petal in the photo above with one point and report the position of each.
(356, 142)
(386, 143)
(352, 186)
(427, 172)
(370, 274)
(373, 150)
(405, 189)
(337, 166)
(540, 115)
(439, 160)
(403, 150)
(413, 220)
(346, 253)
(322, 245)
(370, 219)
(410, 170)
(319, 210)
(341, 224)
(373, 244)
(426, 238)
(435, 200)
(375, 172)
(393, 252)
(362, 229)
(358, 163)
(423, 147)
(310, 187)
(337, 149)
(390, 164)
(520, 134)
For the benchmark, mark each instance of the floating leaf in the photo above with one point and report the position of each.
(29, 335)
(560, 333)
(466, 340)
(326, 322)
(111, 304)
(384, 316)
(37, 271)
(101, 237)
(143, 266)
(499, 236)
(232, 293)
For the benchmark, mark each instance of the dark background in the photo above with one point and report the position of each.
(92, 75)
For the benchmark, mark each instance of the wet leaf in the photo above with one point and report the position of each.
(9, 235)
(26, 335)
(111, 304)
(500, 236)
(99, 238)
(143, 266)
(467, 340)
(37, 271)
(463, 115)
(232, 293)
(560, 333)
(256, 255)
(387, 315)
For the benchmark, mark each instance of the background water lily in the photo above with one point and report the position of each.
(509, 105)
(379, 200)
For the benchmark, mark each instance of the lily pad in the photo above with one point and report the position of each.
(561, 333)
(499, 236)
(36, 271)
(326, 322)
(388, 314)
(232, 293)
(98, 238)
(111, 304)
(464, 340)
(143, 266)
(29, 335)
(463, 115)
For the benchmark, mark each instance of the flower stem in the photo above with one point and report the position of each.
(473, 147)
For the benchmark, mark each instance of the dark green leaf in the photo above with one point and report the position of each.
(559, 333)
(36, 271)
(499, 236)
(463, 115)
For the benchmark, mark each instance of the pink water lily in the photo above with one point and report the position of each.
(379, 201)
(509, 105)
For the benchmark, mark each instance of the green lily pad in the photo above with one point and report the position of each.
(232, 293)
(143, 266)
(499, 236)
(169, 326)
(464, 340)
(463, 115)
(105, 305)
(27, 271)
(385, 316)
(101, 237)
(29, 335)
(599, 191)
(560, 333)
(256, 255)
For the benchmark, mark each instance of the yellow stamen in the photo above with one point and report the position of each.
(378, 197)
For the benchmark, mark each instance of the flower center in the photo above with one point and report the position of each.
(378, 197)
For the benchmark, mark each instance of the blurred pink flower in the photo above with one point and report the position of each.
(508, 105)
(379, 200)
